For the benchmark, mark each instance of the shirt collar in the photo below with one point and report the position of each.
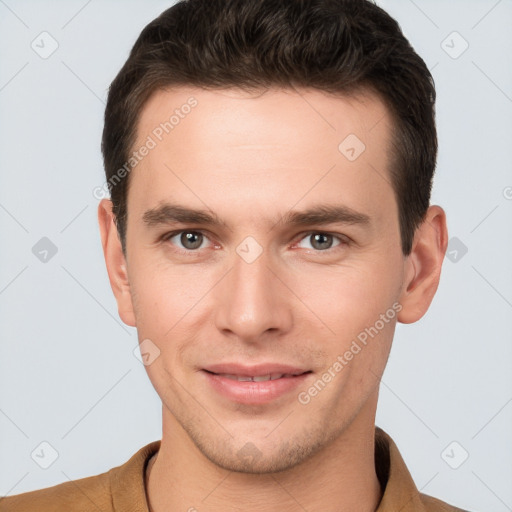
(399, 491)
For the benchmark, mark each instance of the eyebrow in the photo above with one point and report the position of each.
(168, 213)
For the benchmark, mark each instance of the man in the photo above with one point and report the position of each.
(270, 167)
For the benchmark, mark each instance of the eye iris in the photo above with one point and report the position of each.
(321, 241)
(191, 240)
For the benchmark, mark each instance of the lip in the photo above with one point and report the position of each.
(255, 370)
(250, 392)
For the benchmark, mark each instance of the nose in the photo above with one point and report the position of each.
(252, 303)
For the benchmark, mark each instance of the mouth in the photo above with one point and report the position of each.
(258, 378)
(254, 385)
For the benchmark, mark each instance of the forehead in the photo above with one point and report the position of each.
(270, 117)
(277, 146)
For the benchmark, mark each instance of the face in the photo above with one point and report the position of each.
(263, 240)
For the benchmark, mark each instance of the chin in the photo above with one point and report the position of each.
(259, 456)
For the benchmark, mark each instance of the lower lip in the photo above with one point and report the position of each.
(249, 392)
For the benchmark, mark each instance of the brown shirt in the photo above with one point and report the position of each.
(122, 488)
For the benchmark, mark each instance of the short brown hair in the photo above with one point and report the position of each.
(337, 46)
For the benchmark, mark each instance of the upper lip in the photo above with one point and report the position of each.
(254, 370)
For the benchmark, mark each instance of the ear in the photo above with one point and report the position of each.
(115, 261)
(423, 266)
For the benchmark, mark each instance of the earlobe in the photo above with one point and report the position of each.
(115, 262)
(423, 266)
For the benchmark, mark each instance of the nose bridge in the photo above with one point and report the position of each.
(251, 299)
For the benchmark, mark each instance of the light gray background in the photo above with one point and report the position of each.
(68, 375)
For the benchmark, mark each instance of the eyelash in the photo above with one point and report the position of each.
(344, 241)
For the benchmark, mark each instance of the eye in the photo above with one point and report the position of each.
(189, 240)
(322, 241)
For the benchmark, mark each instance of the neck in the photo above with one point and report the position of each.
(341, 477)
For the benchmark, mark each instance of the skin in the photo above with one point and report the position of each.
(250, 159)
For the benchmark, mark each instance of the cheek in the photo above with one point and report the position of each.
(349, 299)
(167, 305)
(160, 287)
(161, 310)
